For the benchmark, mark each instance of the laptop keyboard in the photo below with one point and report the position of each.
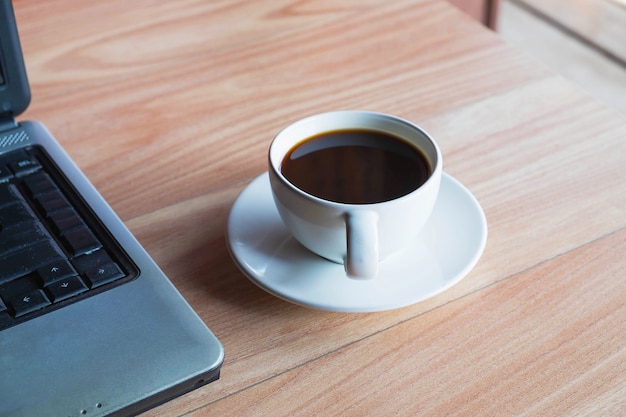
(53, 249)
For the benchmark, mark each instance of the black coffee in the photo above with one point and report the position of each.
(356, 166)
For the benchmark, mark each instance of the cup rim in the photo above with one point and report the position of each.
(275, 163)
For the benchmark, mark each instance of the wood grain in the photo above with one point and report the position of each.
(290, 76)
(169, 109)
(521, 347)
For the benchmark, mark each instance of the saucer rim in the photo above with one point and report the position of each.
(333, 307)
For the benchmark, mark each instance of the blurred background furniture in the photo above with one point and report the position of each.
(485, 11)
(583, 40)
(599, 23)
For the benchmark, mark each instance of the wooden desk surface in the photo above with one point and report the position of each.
(169, 108)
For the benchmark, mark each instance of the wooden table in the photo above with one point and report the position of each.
(169, 108)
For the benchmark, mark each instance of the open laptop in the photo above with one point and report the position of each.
(89, 325)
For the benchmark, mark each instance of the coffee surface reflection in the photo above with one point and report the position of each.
(356, 166)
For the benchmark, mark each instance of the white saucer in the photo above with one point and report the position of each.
(445, 251)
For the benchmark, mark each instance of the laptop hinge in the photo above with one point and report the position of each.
(7, 122)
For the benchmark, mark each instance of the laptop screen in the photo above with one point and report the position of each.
(1, 73)
(14, 88)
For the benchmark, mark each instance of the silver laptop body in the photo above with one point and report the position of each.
(125, 348)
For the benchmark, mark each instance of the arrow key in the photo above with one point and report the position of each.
(55, 271)
(103, 274)
(28, 302)
(65, 288)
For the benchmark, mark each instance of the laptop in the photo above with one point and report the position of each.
(89, 324)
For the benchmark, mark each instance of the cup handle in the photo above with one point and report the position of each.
(362, 244)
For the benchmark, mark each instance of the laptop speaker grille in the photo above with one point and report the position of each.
(13, 138)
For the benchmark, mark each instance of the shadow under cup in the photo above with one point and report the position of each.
(383, 174)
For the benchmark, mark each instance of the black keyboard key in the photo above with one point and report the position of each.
(15, 213)
(25, 165)
(64, 220)
(55, 271)
(22, 235)
(91, 260)
(5, 174)
(97, 268)
(65, 288)
(8, 193)
(28, 302)
(52, 201)
(18, 286)
(39, 183)
(22, 262)
(81, 241)
(103, 274)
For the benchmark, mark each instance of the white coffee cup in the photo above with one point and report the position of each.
(356, 235)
